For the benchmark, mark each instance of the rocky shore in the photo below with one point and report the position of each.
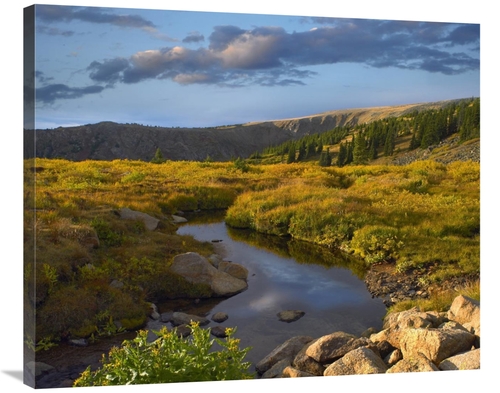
(410, 341)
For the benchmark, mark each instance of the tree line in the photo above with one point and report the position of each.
(368, 141)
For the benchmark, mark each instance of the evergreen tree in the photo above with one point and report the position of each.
(319, 149)
(291, 155)
(360, 152)
(389, 144)
(325, 158)
(342, 157)
(158, 157)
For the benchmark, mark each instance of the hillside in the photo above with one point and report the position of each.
(109, 140)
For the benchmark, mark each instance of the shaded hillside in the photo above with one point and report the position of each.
(108, 140)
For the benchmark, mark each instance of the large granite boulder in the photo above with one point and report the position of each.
(359, 361)
(150, 222)
(196, 269)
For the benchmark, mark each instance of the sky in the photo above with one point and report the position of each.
(199, 69)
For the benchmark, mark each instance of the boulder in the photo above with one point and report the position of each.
(276, 371)
(415, 363)
(290, 315)
(218, 331)
(469, 360)
(435, 344)
(177, 219)
(359, 361)
(234, 269)
(324, 349)
(219, 317)
(289, 349)
(150, 222)
(307, 364)
(290, 372)
(413, 318)
(197, 269)
(466, 311)
(180, 318)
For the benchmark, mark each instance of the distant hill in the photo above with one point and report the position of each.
(109, 140)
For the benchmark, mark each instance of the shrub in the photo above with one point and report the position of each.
(376, 243)
(170, 358)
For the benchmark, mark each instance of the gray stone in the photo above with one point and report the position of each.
(289, 349)
(359, 361)
(150, 222)
(197, 270)
(290, 315)
(469, 360)
(324, 348)
(180, 318)
(219, 317)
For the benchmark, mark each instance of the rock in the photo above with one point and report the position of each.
(307, 364)
(276, 371)
(359, 361)
(218, 331)
(166, 317)
(197, 270)
(219, 317)
(234, 269)
(289, 349)
(410, 318)
(415, 363)
(215, 259)
(464, 361)
(154, 314)
(290, 315)
(150, 222)
(323, 350)
(183, 330)
(435, 344)
(180, 318)
(394, 357)
(178, 219)
(290, 372)
(465, 310)
(79, 342)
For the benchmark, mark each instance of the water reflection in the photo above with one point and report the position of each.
(286, 274)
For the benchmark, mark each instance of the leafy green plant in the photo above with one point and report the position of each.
(170, 358)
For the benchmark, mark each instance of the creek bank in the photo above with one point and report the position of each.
(384, 282)
(410, 341)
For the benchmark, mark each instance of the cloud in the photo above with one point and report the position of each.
(271, 56)
(51, 14)
(194, 38)
(50, 93)
(54, 31)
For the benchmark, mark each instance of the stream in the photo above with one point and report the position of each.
(283, 275)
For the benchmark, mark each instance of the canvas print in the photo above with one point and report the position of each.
(218, 196)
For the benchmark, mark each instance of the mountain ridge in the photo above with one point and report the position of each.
(108, 140)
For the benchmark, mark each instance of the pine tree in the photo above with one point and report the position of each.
(158, 157)
(360, 152)
(342, 157)
(291, 155)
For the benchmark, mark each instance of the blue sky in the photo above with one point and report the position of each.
(197, 69)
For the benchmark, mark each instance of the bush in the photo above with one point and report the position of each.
(376, 243)
(170, 358)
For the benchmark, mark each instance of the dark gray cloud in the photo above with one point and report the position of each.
(55, 13)
(50, 93)
(51, 14)
(194, 38)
